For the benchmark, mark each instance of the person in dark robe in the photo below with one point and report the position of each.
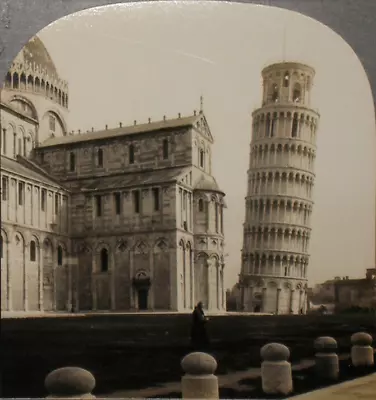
(199, 336)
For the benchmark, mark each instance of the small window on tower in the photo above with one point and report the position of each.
(4, 188)
(296, 93)
(136, 201)
(72, 162)
(156, 199)
(100, 158)
(117, 197)
(275, 94)
(201, 205)
(52, 123)
(98, 205)
(59, 256)
(104, 260)
(286, 79)
(21, 194)
(267, 126)
(201, 158)
(131, 154)
(43, 200)
(33, 255)
(165, 149)
(56, 203)
(274, 121)
(294, 129)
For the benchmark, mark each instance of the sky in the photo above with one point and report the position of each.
(137, 61)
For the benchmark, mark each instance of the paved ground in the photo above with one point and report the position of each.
(358, 389)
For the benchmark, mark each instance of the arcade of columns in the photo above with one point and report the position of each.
(279, 197)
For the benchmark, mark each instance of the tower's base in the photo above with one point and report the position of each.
(286, 298)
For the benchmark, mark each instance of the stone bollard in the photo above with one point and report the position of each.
(276, 372)
(70, 383)
(326, 358)
(362, 353)
(199, 381)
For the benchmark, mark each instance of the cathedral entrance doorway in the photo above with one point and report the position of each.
(143, 298)
(142, 283)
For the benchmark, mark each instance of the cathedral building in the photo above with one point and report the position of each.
(279, 204)
(122, 219)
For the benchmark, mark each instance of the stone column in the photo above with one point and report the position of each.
(218, 285)
(264, 291)
(93, 280)
(113, 281)
(25, 276)
(292, 298)
(40, 277)
(192, 273)
(9, 278)
(69, 305)
(151, 298)
(131, 276)
(174, 282)
(278, 300)
(209, 300)
(242, 305)
(223, 288)
(250, 300)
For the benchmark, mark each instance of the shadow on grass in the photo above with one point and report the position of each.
(126, 352)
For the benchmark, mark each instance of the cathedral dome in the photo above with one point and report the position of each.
(208, 184)
(34, 72)
(36, 52)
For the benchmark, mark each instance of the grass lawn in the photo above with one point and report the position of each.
(136, 351)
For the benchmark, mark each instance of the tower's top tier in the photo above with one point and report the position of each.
(287, 82)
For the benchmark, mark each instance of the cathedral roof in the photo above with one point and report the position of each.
(207, 183)
(36, 52)
(13, 166)
(132, 179)
(122, 131)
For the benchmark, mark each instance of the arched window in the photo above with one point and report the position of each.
(294, 129)
(275, 94)
(1, 247)
(59, 256)
(100, 158)
(165, 149)
(33, 251)
(15, 81)
(201, 158)
(296, 95)
(201, 205)
(104, 260)
(286, 79)
(274, 121)
(131, 154)
(267, 125)
(72, 161)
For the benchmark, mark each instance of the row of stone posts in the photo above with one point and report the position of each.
(199, 381)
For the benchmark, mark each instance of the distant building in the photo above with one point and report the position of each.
(233, 298)
(279, 204)
(129, 218)
(345, 293)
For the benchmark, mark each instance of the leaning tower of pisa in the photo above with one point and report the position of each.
(277, 231)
